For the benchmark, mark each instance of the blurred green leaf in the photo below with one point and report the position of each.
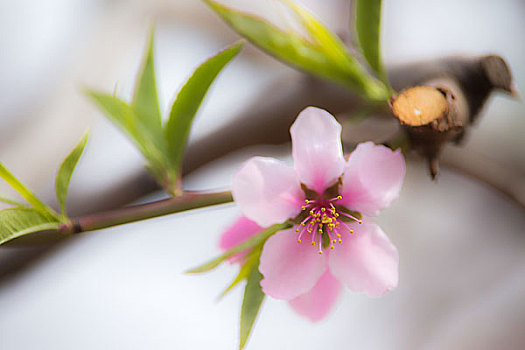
(16, 222)
(24, 192)
(325, 56)
(145, 99)
(12, 202)
(66, 170)
(189, 100)
(253, 298)
(251, 260)
(125, 117)
(327, 42)
(368, 28)
(249, 243)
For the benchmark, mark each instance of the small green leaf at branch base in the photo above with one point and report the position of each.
(16, 222)
(249, 243)
(66, 171)
(368, 28)
(37, 204)
(251, 304)
(188, 101)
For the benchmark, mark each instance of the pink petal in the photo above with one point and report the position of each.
(289, 268)
(320, 300)
(267, 191)
(316, 148)
(372, 178)
(366, 261)
(242, 229)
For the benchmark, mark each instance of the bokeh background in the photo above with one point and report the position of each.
(461, 244)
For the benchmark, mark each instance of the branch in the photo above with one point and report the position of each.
(485, 170)
(135, 213)
(268, 122)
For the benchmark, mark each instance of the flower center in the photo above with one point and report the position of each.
(323, 223)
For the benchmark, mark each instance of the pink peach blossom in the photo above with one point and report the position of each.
(328, 199)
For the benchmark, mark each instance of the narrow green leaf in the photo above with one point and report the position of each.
(16, 222)
(12, 202)
(145, 99)
(368, 27)
(251, 304)
(250, 243)
(294, 50)
(188, 101)
(124, 117)
(250, 262)
(328, 42)
(24, 192)
(66, 171)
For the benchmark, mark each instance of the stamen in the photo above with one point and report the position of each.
(352, 217)
(323, 218)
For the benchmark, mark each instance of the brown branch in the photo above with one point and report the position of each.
(268, 120)
(268, 123)
(478, 167)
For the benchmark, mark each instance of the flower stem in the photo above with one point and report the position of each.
(126, 215)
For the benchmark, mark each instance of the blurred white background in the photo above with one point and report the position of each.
(461, 244)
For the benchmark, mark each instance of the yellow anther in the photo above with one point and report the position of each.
(337, 223)
(323, 209)
(339, 197)
(340, 241)
(338, 235)
(320, 252)
(360, 222)
(296, 230)
(311, 212)
(303, 224)
(334, 240)
(309, 230)
(336, 215)
(303, 208)
(326, 220)
(313, 243)
(307, 201)
(351, 231)
(332, 247)
(298, 241)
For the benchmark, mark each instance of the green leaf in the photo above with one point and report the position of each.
(252, 259)
(250, 243)
(368, 27)
(12, 202)
(24, 192)
(145, 99)
(315, 58)
(16, 222)
(66, 170)
(188, 101)
(125, 117)
(253, 298)
(328, 42)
